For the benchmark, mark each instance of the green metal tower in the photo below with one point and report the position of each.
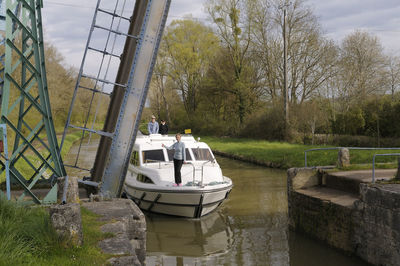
(35, 161)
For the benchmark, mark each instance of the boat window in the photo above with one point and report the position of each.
(135, 158)
(171, 155)
(153, 156)
(188, 157)
(202, 154)
(144, 179)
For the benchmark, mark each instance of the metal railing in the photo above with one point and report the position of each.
(194, 173)
(190, 163)
(338, 148)
(357, 148)
(373, 162)
(156, 161)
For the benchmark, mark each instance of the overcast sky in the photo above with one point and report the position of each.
(67, 22)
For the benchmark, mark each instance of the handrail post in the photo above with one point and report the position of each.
(194, 172)
(305, 159)
(373, 168)
(202, 170)
(65, 190)
(202, 174)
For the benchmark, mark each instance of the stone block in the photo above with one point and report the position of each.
(72, 192)
(66, 220)
(122, 261)
(302, 178)
(343, 157)
(128, 225)
(119, 245)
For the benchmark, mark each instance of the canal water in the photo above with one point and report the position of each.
(250, 228)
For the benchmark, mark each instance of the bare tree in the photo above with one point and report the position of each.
(311, 57)
(362, 67)
(393, 74)
(159, 85)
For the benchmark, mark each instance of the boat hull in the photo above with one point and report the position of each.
(183, 201)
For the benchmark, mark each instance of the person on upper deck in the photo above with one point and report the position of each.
(163, 130)
(152, 126)
(179, 158)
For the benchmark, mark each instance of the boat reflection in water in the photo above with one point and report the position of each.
(250, 228)
(174, 241)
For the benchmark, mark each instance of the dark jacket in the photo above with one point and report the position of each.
(163, 129)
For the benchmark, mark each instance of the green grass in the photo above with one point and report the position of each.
(27, 238)
(69, 140)
(26, 170)
(292, 155)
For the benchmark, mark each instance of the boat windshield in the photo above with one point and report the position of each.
(153, 156)
(202, 154)
(171, 155)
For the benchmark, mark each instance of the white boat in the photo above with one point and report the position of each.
(150, 178)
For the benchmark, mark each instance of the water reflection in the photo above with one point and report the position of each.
(250, 228)
(209, 236)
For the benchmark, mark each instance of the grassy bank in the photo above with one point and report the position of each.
(27, 238)
(288, 155)
(27, 170)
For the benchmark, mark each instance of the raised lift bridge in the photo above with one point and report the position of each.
(97, 80)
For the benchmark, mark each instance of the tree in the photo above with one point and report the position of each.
(310, 117)
(233, 25)
(311, 57)
(159, 85)
(362, 66)
(393, 74)
(188, 46)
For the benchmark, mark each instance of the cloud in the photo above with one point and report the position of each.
(342, 17)
(182, 8)
(67, 23)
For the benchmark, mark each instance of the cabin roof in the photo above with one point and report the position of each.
(156, 140)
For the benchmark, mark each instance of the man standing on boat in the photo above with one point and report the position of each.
(163, 128)
(152, 126)
(179, 158)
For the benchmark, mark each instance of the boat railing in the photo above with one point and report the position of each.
(202, 171)
(194, 172)
(157, 161)
(192, 164)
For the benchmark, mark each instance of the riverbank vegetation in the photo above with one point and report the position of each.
(26, 169)
(226, 78)
(26, 237)
(286, 155)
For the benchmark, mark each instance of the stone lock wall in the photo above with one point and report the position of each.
(369, 229)
(322, 220)
(318, 218)
(377, 224)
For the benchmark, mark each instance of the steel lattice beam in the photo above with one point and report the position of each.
(140, 72)
(25, 106)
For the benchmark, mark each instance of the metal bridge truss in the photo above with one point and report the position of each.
(35, 160)
(97, 74)
(129, 90)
